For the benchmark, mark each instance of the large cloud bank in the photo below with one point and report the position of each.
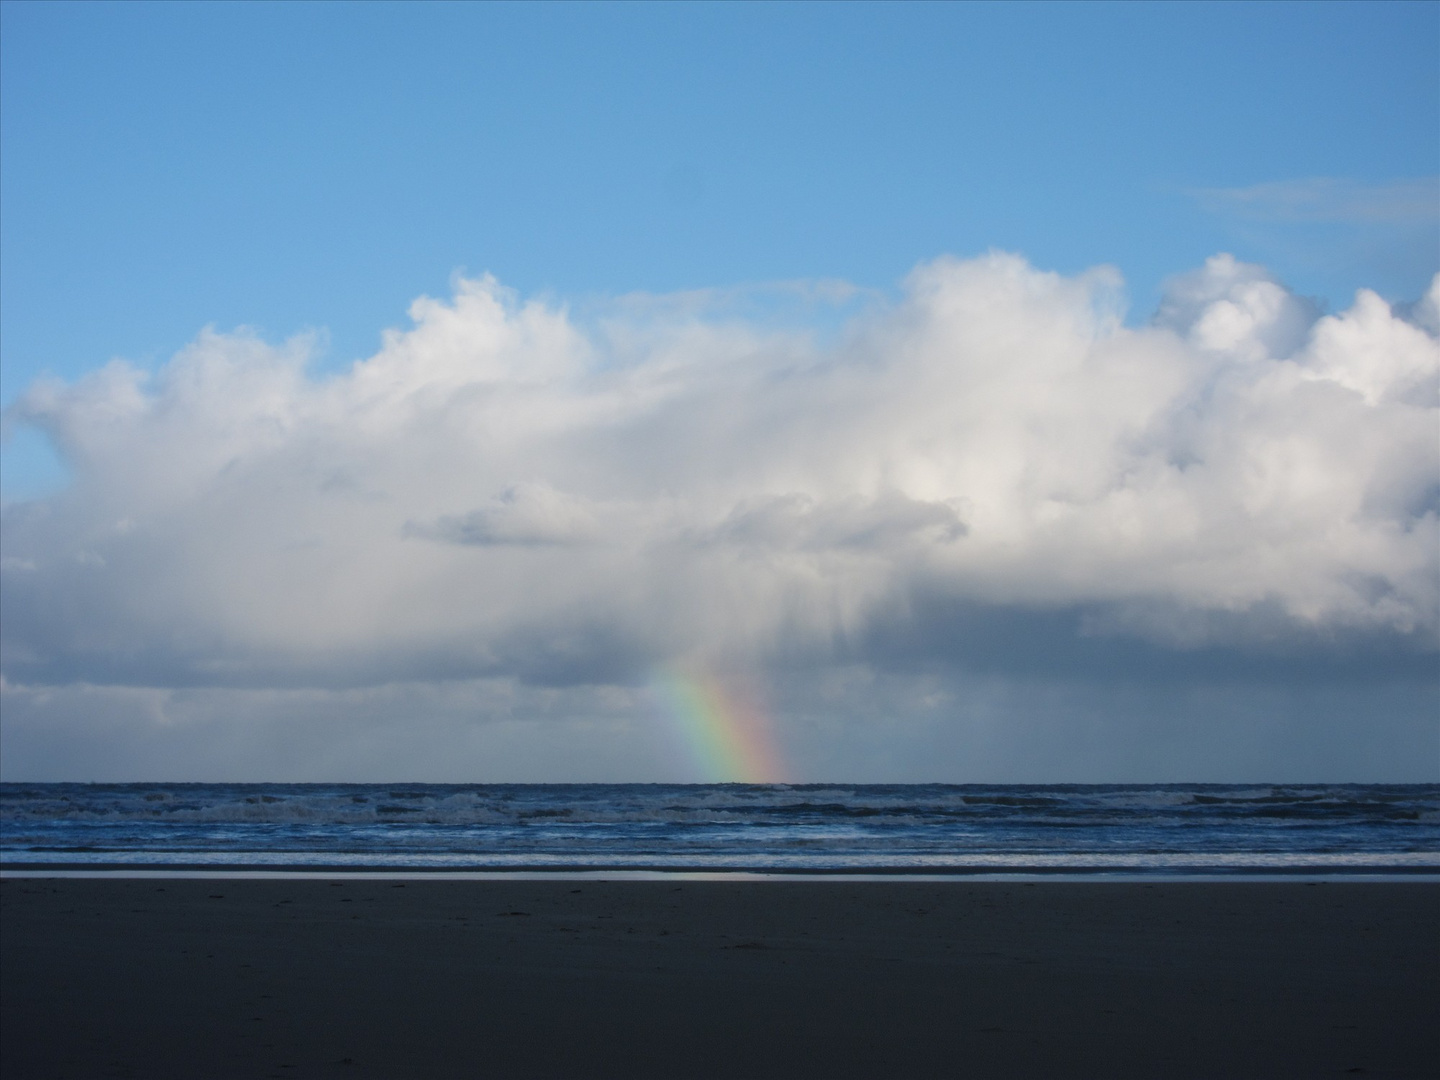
(504, 490)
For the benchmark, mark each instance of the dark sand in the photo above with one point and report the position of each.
(301, 978)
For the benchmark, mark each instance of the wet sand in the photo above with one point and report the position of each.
(302, 978)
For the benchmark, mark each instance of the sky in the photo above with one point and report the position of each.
(972, 393)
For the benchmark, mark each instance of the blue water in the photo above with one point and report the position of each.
(792, 828)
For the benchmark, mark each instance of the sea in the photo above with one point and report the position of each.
(769, 829)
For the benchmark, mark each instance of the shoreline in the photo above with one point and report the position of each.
(381, 872)
(671, 977)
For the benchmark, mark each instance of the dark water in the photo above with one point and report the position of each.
(821, 828)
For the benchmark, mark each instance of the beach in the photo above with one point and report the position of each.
(297, 977)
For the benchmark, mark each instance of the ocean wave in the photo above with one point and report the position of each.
(834, 824)
(638, 803)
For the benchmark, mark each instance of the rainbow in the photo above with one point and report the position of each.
(727, 736)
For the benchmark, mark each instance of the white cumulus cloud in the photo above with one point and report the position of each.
(505, 491)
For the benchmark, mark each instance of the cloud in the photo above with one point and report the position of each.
(799, 522)
(402, 731)
(503, 492)
(1236, 308)
(1329, 200)
(1335, 234)
(527, 515)
(849, 722)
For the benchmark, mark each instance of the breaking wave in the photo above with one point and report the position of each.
(821, 827)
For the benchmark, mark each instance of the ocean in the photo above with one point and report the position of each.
(764, 828)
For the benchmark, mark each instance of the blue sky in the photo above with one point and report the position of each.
(168, 167)
(317, 167)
